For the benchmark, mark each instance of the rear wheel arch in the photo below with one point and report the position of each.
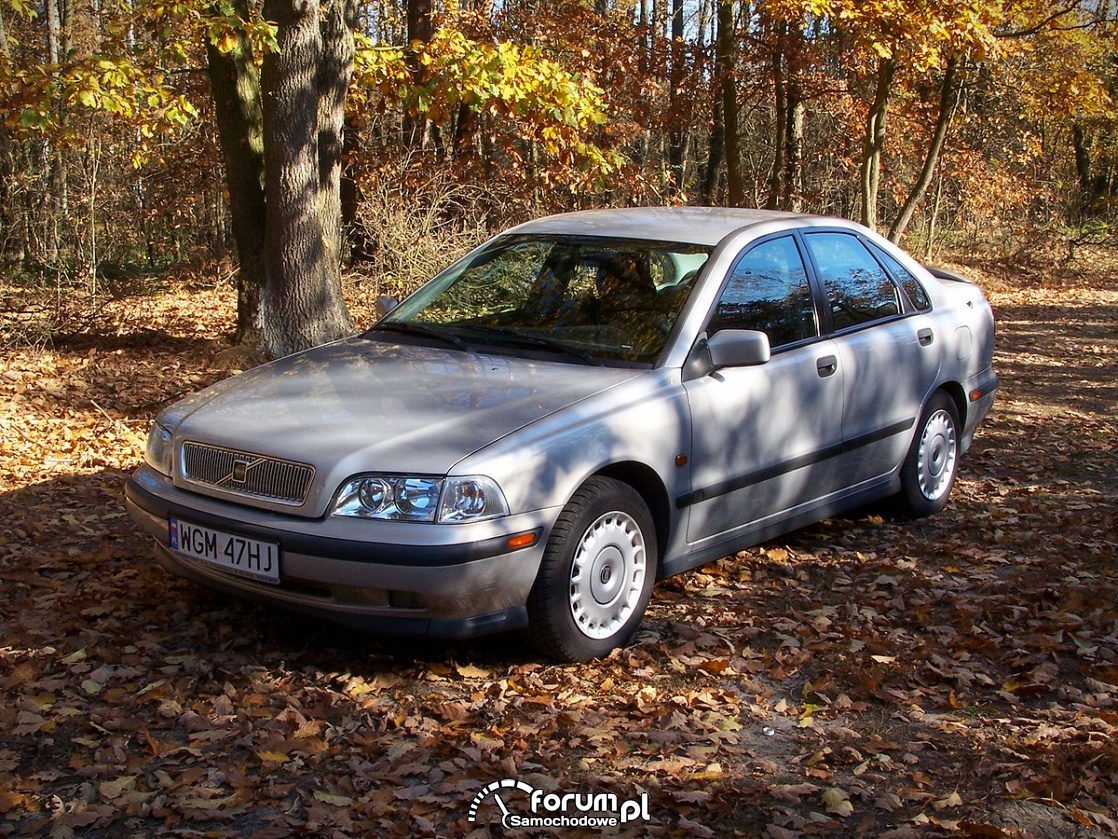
(931, 464)
(955, 391)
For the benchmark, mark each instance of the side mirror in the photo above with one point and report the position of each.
(738, 348)
(385, 304)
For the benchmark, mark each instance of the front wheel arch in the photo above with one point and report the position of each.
(652, 491)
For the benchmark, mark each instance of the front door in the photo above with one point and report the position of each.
(764, 437)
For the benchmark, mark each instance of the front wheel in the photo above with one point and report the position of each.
(597, 573)
(928, 473)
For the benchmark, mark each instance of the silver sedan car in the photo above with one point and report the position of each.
(583, 405)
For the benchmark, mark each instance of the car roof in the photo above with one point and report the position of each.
(693, 225)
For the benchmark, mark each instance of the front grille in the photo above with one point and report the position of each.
(247, 474)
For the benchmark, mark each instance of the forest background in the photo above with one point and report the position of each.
(140, 137)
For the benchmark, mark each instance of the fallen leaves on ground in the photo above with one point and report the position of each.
(955, 676)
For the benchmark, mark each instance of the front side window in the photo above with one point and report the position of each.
(768, 291)
(858, 289)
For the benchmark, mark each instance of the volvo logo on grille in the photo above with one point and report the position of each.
(243, 473)
(240, 471)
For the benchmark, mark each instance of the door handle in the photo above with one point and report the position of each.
(925, 336)
(826, 366)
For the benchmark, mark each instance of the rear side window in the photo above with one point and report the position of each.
(768, 291)
(916, 294)
(858, 289)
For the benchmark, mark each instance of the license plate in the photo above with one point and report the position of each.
(238, 555)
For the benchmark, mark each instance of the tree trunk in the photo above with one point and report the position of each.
(725, 47)
(12, 249)
(56, 198)
(1093, 185)
(361, 244)
(417, 128)
(875, 142)
(677, 136)
(302, 305)
(1082, 164)
(715, 151)
(792, 195)
(240, 124)
(335, 68)
(645, 46)
(947, 99)
(466, 128)
(933, 218)
(780, 112)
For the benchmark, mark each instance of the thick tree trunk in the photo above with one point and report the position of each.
(240, 124)
(947, 98)
(725, 47)
(302, 304)
(875, 142)
(335, 68)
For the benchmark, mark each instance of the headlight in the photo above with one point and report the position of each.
(158, 452)
(471, 499)
(410, 498)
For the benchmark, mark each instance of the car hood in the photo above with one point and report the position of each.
(369, 406)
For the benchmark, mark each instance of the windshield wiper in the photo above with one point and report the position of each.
(514, 336)
(406, 328)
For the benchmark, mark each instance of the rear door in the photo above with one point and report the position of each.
(888, 351)
(764, 437)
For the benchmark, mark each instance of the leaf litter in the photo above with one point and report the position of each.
(955, 676)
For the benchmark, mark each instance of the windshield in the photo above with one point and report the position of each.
(588, 298)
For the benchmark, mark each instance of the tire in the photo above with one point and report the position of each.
(596, 575)
(929, 468)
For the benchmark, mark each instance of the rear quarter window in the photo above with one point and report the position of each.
(915, 292)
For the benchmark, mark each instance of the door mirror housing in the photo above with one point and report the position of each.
(738, 348)
(385, 304)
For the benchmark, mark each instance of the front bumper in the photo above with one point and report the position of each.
(445, 581)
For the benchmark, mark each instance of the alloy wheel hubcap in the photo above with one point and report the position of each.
(607, 575)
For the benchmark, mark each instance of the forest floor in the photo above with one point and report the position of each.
(956, 676)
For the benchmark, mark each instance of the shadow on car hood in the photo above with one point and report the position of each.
(370, 406)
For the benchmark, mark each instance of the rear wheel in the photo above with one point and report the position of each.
(929, 469)
(597, 573)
